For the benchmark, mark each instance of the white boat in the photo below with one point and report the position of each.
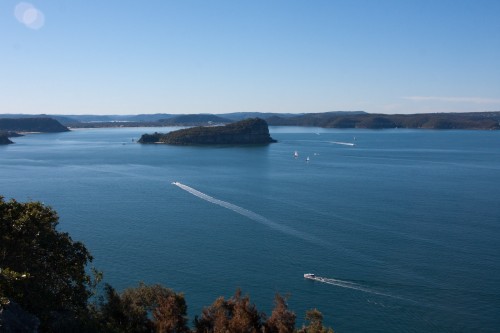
(295, 154)
(307, 159)
(309, 276)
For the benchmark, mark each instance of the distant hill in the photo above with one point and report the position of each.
(44, 125)
(332, 119)
(150, 117)
(249, 131)
(473, 120)
(120, 118)
(64, 120)
(194, 120)
(236, 116)
(311, 119)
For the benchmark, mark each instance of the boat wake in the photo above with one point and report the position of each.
(348, 285)
(253, 216)
(343, 143)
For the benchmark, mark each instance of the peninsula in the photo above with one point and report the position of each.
(4, 139)
(35, 124)
(248, 131)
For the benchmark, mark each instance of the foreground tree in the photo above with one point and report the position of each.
(132, 310)
(234, 315)
(282, 320)
(314, 319)
(42, 269)
(170, 315)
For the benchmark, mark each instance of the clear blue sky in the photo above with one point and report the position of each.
(220, 56)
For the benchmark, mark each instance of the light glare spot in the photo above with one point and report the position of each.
(28, 15)
(20, 9)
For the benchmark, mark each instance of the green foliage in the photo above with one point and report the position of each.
(41, 268)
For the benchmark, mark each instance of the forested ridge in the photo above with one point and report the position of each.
(334, 119)
(44, 125)
(47, 284)
(471, 120)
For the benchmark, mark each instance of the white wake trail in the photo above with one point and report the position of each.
(351, 285)
(343, 143)
(251, 215)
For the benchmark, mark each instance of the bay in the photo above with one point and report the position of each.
(404, 223)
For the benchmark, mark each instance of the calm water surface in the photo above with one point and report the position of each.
(405, 224)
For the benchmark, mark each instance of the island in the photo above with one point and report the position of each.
(245, 132)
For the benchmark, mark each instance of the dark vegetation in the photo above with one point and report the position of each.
(249, 131)
(41, 269)
(46, 286)
(5, 135)
(44, 125)
(4, 138)
(473, 120)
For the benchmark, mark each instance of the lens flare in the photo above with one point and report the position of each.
(28, 15)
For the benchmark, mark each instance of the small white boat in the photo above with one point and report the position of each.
(309, 276)
(307, 159)
(295, 154)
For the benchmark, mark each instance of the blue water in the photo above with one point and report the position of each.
(406, 221)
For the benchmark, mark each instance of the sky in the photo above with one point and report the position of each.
(222, 56)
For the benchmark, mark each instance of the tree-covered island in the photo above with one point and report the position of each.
(248, 131)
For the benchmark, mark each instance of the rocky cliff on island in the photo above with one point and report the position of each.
(248, 131)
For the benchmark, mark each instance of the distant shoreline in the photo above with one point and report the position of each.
(335, 119)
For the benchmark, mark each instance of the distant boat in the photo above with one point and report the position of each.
(295, 154)
(309, 276)
(307, 159)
